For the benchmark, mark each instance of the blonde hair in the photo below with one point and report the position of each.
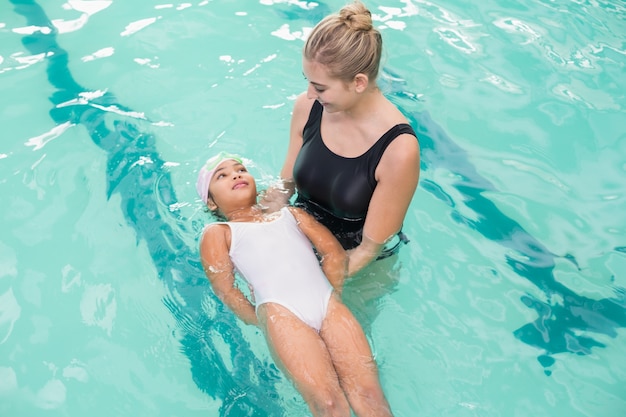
(346, 43)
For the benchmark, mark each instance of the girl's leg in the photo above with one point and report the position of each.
(353, 361)
(302, 355)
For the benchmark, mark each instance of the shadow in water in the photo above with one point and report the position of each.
(138, 175)
(559, 324)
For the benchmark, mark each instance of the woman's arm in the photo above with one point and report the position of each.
(220, 271)
(334, 259)
(397, 175)
(277, 196)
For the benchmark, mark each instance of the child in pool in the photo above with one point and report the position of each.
(313, 336)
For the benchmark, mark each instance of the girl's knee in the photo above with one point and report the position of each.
(369, 400)
(330, 404)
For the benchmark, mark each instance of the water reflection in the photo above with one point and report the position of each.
(139, 176)
(563, 314)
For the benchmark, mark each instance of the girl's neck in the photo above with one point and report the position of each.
(245, 214)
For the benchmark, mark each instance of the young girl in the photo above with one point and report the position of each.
(313, 336)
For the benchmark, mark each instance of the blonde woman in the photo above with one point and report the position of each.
(353, 159)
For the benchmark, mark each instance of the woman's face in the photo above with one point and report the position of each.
(332, 93)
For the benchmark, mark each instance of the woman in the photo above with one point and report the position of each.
(352, 157)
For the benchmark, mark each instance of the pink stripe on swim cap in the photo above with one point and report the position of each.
(207, 170)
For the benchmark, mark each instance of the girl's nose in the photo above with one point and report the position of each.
(310, 92)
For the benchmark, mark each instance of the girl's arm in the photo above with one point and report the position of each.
(220, 271)
(334, 259)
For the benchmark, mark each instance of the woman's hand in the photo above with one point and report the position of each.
(363, 255)
(277, 196)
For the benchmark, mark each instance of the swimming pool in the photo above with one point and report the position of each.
(509, 299)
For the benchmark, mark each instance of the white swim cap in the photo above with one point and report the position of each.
(207, 170)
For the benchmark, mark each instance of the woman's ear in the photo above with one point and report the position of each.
(361, 81)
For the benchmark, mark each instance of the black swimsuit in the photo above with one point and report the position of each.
(334, 189)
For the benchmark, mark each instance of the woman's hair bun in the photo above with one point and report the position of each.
(356, 16)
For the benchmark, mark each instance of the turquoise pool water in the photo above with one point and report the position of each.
(509, 300)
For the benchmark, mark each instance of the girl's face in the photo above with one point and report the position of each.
(332, 93)
(232, 186)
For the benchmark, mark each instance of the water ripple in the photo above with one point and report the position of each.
(10, 312)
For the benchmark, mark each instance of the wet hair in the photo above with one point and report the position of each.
(346, 43)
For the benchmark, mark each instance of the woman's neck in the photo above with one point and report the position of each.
(368, 103)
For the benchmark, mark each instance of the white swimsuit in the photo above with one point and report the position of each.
(278, 262)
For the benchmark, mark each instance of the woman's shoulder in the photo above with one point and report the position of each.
(303, 104)
(399, 126)
(401, 156)
(391, 112)
(300, 114)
